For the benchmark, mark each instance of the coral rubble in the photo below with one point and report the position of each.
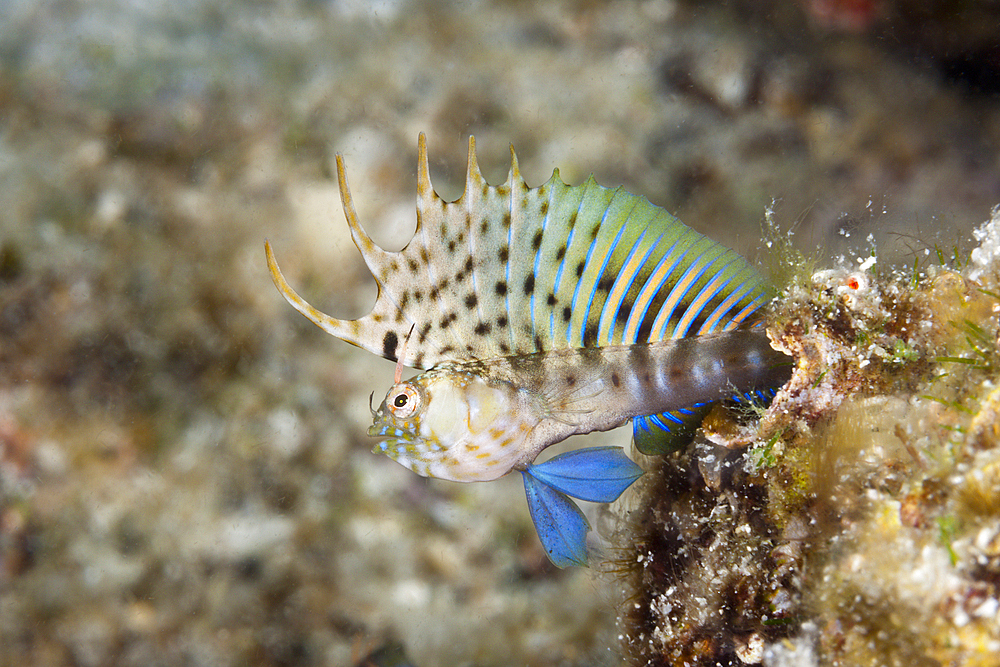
(858, 521)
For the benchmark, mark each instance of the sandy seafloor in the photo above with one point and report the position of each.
(185, 477)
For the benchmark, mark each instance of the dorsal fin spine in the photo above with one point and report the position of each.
(668, 262)
(425, 191)
(635, 259)
(514, 177)
(473, 200)
(375, 257)
(715, 319)
(345, 329)
(556, 283)
(600, 273)
(630, 221)
(473, 175)
(692, 273)
(757, 302)
(707, 293)
(594, 194)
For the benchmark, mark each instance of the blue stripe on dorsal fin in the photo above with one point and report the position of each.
(594, 474)
(656, 435)
(561, 526)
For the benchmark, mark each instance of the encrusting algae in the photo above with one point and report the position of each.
(858, 522)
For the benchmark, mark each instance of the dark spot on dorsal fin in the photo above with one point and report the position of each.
(590, 334)
(615, 380)
(606, 283)
(501, 288)
(567, 313)
(645, 328)
(469, 262)
(394, 266)
(422, 334)
(504, 348)
(425, 256)
(624, 310)
(580, 267)
(418, 296)
(506, 220)
(502, 321)
(538, 343)
(536, 241)
(471, 300)
(595, 231)
(570, 380)
(561, 253)
(503, 253)
(482, 329)
(529, 284)
(451, 246)
(389, 343)
(551, 299)
(544, 206)
(484, 226)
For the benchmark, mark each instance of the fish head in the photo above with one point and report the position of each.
(452, 423)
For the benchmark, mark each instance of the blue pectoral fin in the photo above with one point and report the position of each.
(594, 474)
(656, 435)
(561, 525)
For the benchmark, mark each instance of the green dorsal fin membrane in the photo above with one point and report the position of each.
(508, 270)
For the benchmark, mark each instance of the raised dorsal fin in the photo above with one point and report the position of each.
(508, 270)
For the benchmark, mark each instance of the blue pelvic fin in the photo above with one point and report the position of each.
(656, 435)
(594, 474)
(562, 527)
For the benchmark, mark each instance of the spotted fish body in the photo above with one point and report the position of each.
(543, 313)
(476, 421)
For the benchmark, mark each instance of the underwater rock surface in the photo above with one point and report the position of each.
(858, 522)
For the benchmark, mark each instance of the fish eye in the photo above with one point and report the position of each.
(403, 401)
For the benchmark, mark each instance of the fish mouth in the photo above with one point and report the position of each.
(393, 441)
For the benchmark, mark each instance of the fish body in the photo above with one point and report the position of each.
(476, 421)
(542, 313)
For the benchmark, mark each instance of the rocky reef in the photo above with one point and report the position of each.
(856, 520)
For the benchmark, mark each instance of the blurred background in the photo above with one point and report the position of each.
(185, 477)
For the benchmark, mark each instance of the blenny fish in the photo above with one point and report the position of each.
(542, 313)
